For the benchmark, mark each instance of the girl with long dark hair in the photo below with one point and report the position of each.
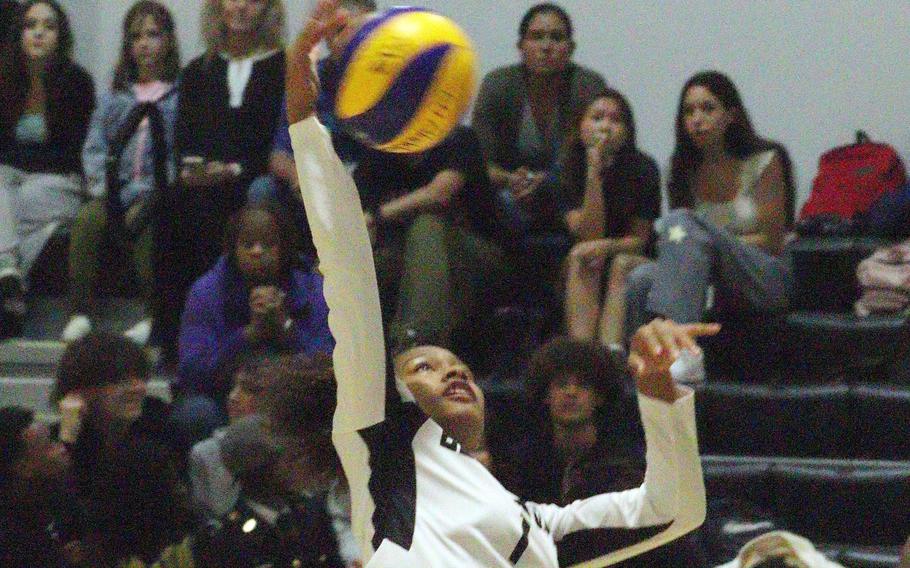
(613, 197)
(731, 195)
(46, 101)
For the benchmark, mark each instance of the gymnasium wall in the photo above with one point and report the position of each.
(811, 71)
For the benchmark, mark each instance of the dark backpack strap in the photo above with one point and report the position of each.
(115, 209)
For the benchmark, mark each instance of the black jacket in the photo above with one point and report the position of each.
(70, 102)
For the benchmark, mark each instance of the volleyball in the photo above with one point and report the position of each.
(404, 80)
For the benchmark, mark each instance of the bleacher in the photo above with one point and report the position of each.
(806, 415)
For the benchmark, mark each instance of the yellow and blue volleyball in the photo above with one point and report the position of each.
(404, 80)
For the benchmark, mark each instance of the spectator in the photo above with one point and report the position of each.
(253, 301)
(613, 198)
(125, 459)
(45, 106)
(215, 490)
(575, 391)
(436, 251)
(146, 73)
(229, 101)
(286, 467)
(33, 470)
(270, 524)
(588, 441)
(905, 555)
(521, 114)
(731, 194)
(289, 402)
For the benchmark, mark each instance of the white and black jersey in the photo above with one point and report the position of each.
(417, 499)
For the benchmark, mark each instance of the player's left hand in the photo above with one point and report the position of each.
(656, 346)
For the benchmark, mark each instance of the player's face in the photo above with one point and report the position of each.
(40, 33)
(603, 121)
(442, 385)
(570, 401)
(258, 249)
(705, 117)
(546, 46)
(241, 16)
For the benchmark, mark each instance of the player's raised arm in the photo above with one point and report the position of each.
(673, 492)
(340, 235)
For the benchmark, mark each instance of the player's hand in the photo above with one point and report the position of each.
(301, 83)
(655, 346)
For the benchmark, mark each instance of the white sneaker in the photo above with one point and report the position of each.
(139, 333)
(78, 327)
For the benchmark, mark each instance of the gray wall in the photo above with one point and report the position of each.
(811, 72)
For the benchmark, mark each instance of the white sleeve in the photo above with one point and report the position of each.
(346, 262)
(673, 490)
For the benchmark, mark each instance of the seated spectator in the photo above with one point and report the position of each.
(45, 106)
(33, 470)
(521, 115)
(146, 73)
(436, 249)
(227, 112)
(254, 301)
(589, 441)
(288, 405)
(215, 490)
(287, 468)
(125, 460)
(271, 524)
(612, 194)
(731, 194)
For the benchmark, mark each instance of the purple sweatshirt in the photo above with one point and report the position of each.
(217, 309)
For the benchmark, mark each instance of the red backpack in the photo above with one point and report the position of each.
(851, 178)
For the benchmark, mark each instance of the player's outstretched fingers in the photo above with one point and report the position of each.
(670, 337)
(646, 341)
(636, 365)
(700, 329)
